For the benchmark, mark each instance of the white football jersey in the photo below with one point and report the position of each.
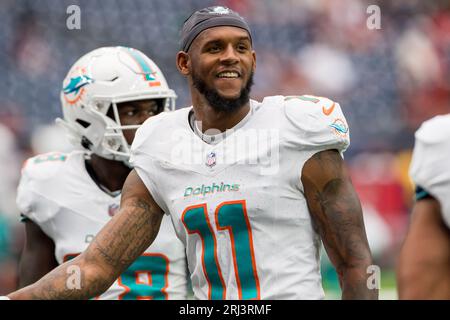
(58, 194)
(430, 164)
(238, 204)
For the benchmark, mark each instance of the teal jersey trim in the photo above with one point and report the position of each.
(421, 193)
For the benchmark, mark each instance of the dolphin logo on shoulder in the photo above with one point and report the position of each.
(340, 127)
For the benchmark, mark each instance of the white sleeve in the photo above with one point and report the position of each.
(430, 165)
(144, 165)
(25, 197)
(151, 186)
(31, 190)
(313, 124)
(316, 124)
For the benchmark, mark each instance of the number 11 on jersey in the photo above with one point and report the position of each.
(230, 217)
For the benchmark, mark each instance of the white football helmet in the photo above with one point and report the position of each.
(97, 82)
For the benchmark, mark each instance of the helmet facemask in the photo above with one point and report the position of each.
(114, 141)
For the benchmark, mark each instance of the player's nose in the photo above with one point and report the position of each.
(142, 116)
(229, 55)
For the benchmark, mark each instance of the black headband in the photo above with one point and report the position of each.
(208, 18)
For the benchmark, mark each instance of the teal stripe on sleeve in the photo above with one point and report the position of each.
(421, 193)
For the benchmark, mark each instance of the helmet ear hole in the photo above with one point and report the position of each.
(86, 143)
(83, 123)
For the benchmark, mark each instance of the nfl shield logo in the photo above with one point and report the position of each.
(211, 159)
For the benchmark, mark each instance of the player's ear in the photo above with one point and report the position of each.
(183, 62)
(254, 60)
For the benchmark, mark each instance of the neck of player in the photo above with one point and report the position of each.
(110, 174)
(213, 119)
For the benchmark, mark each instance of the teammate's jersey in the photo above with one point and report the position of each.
(57, 193)
(430, 165)
(238, 205)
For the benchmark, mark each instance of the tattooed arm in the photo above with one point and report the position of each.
(117, 245)
(337, 216)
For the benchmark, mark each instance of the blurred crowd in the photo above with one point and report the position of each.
(386, 80)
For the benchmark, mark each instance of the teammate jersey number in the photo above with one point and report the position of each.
(230, 217)
(145, 279)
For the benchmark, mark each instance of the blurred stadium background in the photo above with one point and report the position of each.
(387, 81)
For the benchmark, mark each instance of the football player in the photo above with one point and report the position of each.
(65, 199)
(424, 264)
(252, 188)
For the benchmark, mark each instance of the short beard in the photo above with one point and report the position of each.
(219, 103)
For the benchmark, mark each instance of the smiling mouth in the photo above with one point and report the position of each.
(228, 75)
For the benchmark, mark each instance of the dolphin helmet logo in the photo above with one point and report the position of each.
(76, 84)
(75, 87)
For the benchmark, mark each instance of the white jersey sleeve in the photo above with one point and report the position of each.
(36, 173)
(430, 165)
(141, 159)
(317, 124)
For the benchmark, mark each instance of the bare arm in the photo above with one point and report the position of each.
(38, 255)
(337, 216)
(117, 245)
(424, 263)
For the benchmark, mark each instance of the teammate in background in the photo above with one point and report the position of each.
(66, 199)
(424, 264)
(251, 221)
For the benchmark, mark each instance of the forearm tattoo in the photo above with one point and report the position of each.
(117, 245)
(137, 229)
(337, 216)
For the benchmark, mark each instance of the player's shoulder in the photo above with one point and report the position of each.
(162, 122)
(431, 149)
(308, 107)
(43, 177)
(44, 166)
(50, 165)
(434, 131)
(312, 121)
(158, 129)
(430, 168)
